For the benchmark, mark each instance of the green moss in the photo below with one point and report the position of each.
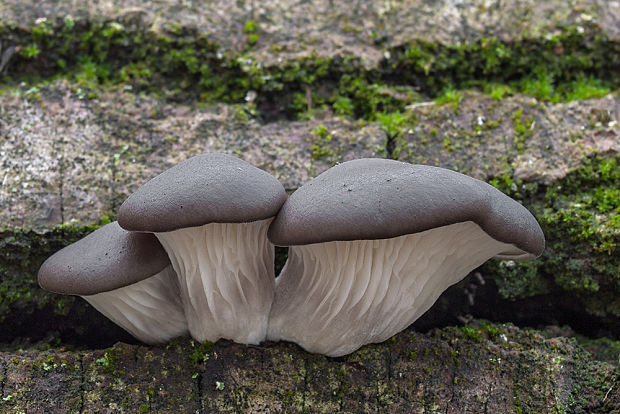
(109, 363)
(22, 253)
(542, 86)
(320, 146)
(359, 96)
(450, 96)
(185, 63)
(250, 26)
(342, 378)
(580, 218)
(498, 91)
(30, 51)
(252, 39)
(47, 364)
(540, 66)
(201, 352)
(477, 332)
(489, 125)
(343, 106)
(471, 333)
(518, 280)
(603, 349)
(392, 123)
(523, 130)
(586, 87)
(447, 144)
(585, 210)
(539, 84)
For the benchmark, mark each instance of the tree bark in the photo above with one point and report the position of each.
(481, 368)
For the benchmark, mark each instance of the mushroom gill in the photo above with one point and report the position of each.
(211, 213)
(125, 276)
(375, 242)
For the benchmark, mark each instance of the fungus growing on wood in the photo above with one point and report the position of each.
(211, 214)
(374, 242)
(125, 276)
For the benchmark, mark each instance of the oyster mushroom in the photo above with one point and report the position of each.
(125, 276)
(211, 213)
(374, 242)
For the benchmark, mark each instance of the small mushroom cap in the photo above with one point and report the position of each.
(370, 199)
(109, 258)
(208, 188)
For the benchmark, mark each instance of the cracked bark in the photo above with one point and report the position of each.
(61, 167)
(283, 378)
(3, 370)
(253, 377)
(82, 381)
(305, 388)
(199, 389)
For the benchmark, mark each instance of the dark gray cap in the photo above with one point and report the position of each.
(109, 258)
(378, 199)
(209, 188)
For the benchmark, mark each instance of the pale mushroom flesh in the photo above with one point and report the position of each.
(333, 297)
(150, 310)
(226, 278)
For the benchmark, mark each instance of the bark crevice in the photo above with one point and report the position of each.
(82, 384)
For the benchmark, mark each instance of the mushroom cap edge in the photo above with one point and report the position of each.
(108, 258)
(376, 198)
(207, 188)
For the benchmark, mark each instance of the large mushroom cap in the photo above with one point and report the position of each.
(109, 258)
(208, 188)
(371, 199)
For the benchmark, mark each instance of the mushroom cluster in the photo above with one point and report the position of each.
(203, 221)
(374, 242)
(372, 245)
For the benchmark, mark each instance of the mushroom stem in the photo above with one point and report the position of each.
(150, 310)
(226, 278)
(331, 298)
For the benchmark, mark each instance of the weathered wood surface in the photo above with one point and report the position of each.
(480, 369)
(71, 149)
(69, 160)
(327, 29)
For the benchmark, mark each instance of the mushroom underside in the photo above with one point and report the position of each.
(331, 298)
(150, 310)
(226, 278)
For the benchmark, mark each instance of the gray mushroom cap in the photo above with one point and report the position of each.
(369, 199)
(109, 258)
(208, 188)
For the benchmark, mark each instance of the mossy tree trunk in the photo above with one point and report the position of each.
(485, 367)
(96, 97)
